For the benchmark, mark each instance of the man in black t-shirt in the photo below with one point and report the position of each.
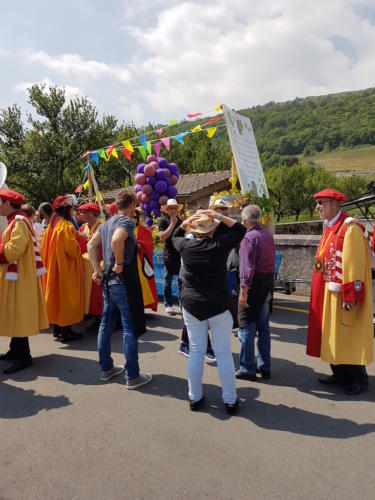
(171, 257)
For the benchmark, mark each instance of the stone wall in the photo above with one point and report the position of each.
(298, 256)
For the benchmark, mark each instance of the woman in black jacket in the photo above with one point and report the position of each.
(205, 299)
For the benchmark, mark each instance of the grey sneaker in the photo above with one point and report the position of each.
(142, 379)
(169, 310)
(113, 372)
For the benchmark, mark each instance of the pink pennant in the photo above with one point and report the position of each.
(167, 143)
(212, 120)
(127, 153)
(109, 150)
(194, 115)
(78, 189)
(159, 131)
(157, 146)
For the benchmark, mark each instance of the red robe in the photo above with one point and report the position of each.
(96, 303)
(314, 332)
(146, 266)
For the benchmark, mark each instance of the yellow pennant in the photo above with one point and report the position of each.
(219, 107)
(86, 184)
(211, 131)
(114, 153)
(197, 128)
(128, 145)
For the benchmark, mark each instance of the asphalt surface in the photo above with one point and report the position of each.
(65, 434)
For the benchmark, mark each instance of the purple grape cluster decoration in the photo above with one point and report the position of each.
(155, 183)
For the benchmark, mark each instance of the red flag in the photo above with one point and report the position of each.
(127, 153)
(194, 115)
(212, 120)
(109, 150)
(78, 189)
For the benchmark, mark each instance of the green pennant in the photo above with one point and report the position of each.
(143, 152)
(173, 122)
(149, 147)
(102, 154)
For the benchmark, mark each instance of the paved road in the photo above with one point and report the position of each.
(64, 434)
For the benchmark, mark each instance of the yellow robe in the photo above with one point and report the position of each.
(61, 255)
(347, 336)
(87, 266)
(22, 305)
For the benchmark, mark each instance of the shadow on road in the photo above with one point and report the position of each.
(18, 403)
(265, 415)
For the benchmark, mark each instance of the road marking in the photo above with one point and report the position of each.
(291, 309)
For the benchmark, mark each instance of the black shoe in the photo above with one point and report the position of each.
(194, 405)
(245, 376)
(17, 366)
(8, 356)
(331, 380)
(232, 408)
(69, 336)
(265, 375)
(355, 388)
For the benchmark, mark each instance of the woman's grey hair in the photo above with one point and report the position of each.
(252, 214)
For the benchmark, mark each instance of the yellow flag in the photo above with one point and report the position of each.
(86, 184)
(219, 107)
(197, 128)
(100, 196)
(114, 153)
(128, 145)
(211, 131)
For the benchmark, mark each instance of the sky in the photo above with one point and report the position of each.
(151, 61)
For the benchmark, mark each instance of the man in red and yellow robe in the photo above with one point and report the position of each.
(340, 328)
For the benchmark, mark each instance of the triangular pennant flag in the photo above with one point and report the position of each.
(142, 139)
(142, 150)
(100, 197)
(102, 154)
(219, 107)
(215, 119)
(114, 153)
(167, 143)
(78, 189)
(128, 145)
(87, 167)
(149, 147)
(178, 138)
(194, 115)
(157, 146)
(95, 157)
(109, 150)
(159, 131)
(211, 131)
(197, 128)
(127, 153)
(173, 122)
(86, 184)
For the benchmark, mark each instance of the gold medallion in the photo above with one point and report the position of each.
(318, 265)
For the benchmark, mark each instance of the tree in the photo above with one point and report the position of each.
(353, 186)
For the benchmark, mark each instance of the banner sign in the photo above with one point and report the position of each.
(245, 152)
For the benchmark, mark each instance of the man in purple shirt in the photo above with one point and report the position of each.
(257, 268)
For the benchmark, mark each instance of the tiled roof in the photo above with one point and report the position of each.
(191, 183)
(187, 183)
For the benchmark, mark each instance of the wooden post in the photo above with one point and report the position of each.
(96, 189)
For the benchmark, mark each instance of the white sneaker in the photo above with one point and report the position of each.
(113, 372)
(142, 379)
(169, 310)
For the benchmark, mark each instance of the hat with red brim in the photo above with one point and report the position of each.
(12, 196)
(331, 194)
(90, 207)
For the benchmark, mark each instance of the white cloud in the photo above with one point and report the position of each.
(70, 91)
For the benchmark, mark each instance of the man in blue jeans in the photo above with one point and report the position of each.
(121, 290)
(257, 268)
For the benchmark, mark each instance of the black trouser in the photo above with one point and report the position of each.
(20, 348)
(350, 373)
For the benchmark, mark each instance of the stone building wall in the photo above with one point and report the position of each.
(298, 256)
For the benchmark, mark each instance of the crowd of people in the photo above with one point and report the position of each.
(66, 262)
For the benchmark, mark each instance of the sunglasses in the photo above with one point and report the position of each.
(320, 202)
(222, 209)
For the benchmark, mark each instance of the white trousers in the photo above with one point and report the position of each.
(221, 330)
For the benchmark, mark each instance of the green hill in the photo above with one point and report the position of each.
(313, 125)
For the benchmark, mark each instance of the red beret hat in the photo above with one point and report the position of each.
(90, 207)
(332, 194)
(113, 208)
(60, 199)
(12, 196)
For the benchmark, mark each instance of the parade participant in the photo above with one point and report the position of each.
(29, 210)
(340, 319)
(45, 210)
(205, 299)
(93, 291)
(63, 285)
(171, 259)
(22, 305)
(121, 290)
(145, 248)
(257, 269)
